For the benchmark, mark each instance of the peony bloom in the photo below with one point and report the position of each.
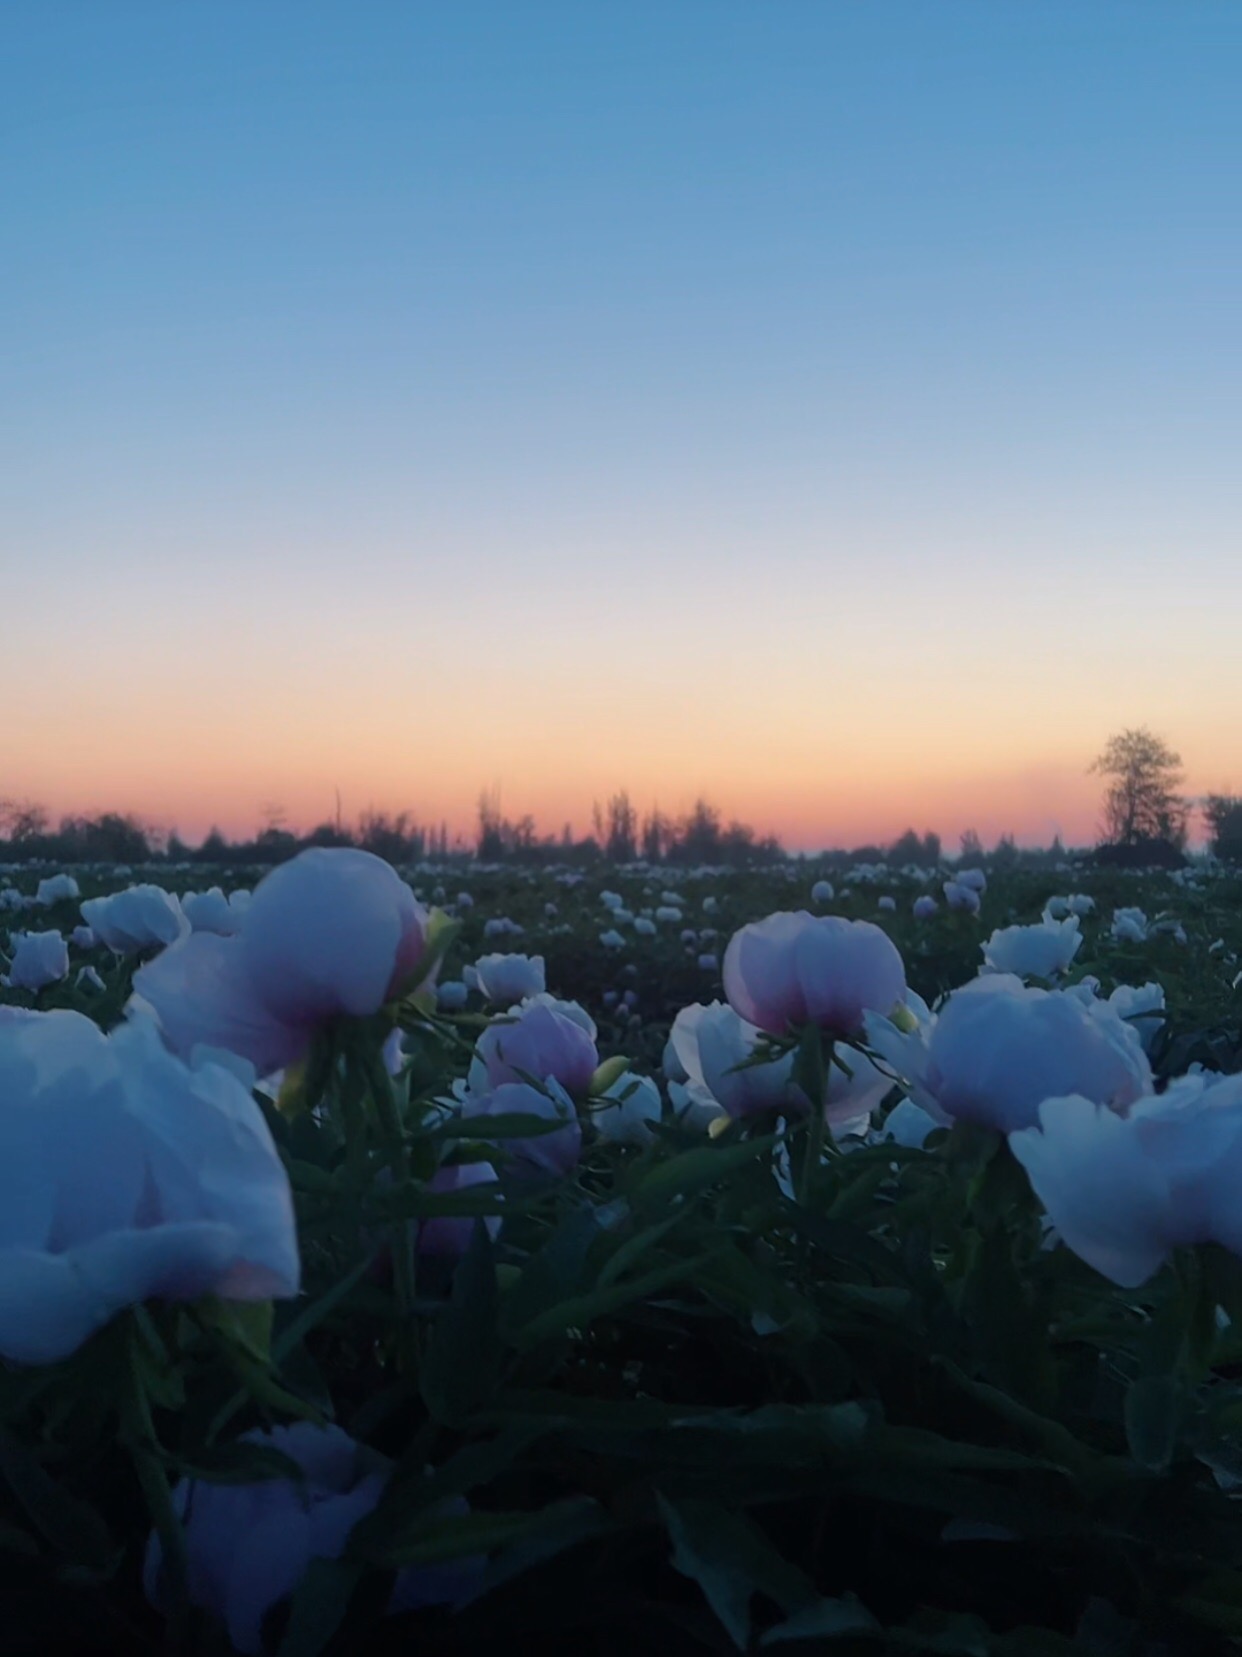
(500, 926)
(545, 1040)
(510, 978)
(612, 939)
(791, 969)
(451, 995)
(1033, 951)
(549, 1153)
(138, 918)
(822, 892)
(39, 958)
(924, 907)
(333, 932)
(999, 1049)
(1129, 926)
(1124, 1191)
(627, 1109)
(1142, 1009)
(249, 1545)
(211, 911)
(959, 896)
(82, 937)
(711, 1047)
(125, 1176)
(56, 889)
(973, 879)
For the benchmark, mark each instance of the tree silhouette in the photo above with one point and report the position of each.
(1142, 802)
(1224, 817)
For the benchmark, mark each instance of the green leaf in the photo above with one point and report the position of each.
(694, 1171)
(318, 1607)
(412, 1490)
(310, 1317)
(71, 1526)
(237, 1462)
(436, 1538)
(555, 1272)
(580, 1310)
(512, 1124)
(247, 1323)
(462, 1362)
(827, 1619)
(731, 1560)
(1216, 1600)
(557, 1528)
(1153, 1415)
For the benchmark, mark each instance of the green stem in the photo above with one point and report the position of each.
(392, 1134)
(812, 1075)
(139, 1437)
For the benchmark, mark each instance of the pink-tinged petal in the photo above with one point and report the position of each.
(540, 1041)
(790, 968)
(332, 931)
(201, 993)
(549, 1153)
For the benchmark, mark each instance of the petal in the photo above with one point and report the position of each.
(202, 995)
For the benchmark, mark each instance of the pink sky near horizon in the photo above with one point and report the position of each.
(831, 703)
(863, 795)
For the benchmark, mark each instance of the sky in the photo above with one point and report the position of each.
(831, 408)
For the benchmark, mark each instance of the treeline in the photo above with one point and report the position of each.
(27, 836)
(621, 835)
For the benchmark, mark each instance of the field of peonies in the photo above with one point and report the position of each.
(476, 1259)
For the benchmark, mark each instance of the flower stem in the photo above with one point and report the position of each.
(139, 1437)
(392, 1134)
(811, 1073)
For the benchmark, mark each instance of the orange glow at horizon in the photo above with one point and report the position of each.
(858, 798)
(825, 733)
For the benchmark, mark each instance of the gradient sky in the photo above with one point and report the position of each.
(834, 408)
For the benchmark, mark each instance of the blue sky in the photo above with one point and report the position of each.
(682, 393)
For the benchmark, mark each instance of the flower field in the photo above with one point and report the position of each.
(469, 1259)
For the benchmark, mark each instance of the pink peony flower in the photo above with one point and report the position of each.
(544, 1041)
(791, 969)
(332, 932)
(548, 1153)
